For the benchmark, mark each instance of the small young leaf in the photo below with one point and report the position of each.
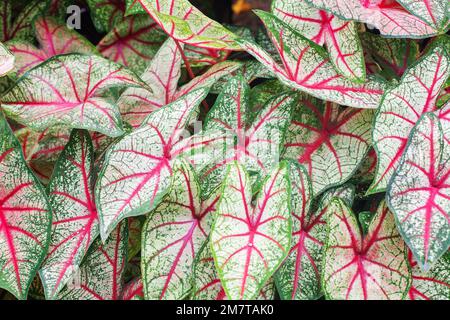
(250, 242)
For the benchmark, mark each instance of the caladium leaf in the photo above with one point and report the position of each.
(133, 42)
(433, 285)
(181, 223)
(42, 149)
(25, 217)
(433, 12)
(306, 67)
(54, 38)
(207, 285)
(75, 221)
(329, 140)
(106, 13)
(7, 60)
(185, 23)
(401, 108)
(386, 15)
(340, 37)
(419, 193)
(299, 275)
(20, 27)
(358, 267)
(125, 190)
(133, 7)
(393, 55)
(250, 242)
(133, 290)
(254, 143)
(162, 75)
(101, 274)
(67, 91)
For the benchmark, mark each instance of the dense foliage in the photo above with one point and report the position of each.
(182, 158)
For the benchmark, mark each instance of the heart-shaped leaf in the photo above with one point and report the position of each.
(185, 23)
(125, 190)
(54, 38)
(181, 223)
(25, 217)
(306, 67)
(101, 274)
(340, 37)
(386, 15)
(207, 284)
(106, 13)
(7, 60)
(250, 242)
(68, 90)
(133, 42)
(419, 193)
(329, 140)
(75, 221)
(402, 107)
(358, 267)
(20, 26)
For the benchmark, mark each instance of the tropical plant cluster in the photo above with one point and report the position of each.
(182, 158)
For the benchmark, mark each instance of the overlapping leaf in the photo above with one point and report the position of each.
(358, 267)
(394, 56)
(7, 60)
(329, 140)
(433, 12)
(54, 38)
(401, 108)
(185, 23)
(340, 37)
(137, 168)
(133, 42)
(433, 285)
(386, 15)
(419, 193)
(254, 143)
(306, 67)
(68, 90)
(106, 13)
(250, 242)
(75, 221)
(20, 26)
(42, 149)
(25, 217)
(181, 224)
(101, 274)
(207, 284)
(134, 290)
(162, 76)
